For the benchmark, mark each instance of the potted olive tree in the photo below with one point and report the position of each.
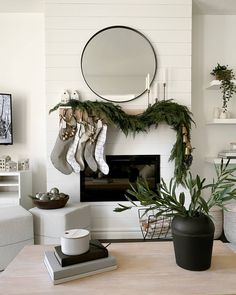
(227, 86)
(192, 227)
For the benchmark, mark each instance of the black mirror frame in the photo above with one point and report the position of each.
(124, 27)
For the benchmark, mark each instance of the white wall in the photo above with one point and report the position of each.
(213, 41)
(21, 6)
(22, 66)
(167, 24)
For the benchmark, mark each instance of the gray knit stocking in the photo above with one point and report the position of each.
(90, 146)
(84, 136)
(59, 152)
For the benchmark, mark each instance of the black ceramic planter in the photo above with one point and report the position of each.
(193, 241)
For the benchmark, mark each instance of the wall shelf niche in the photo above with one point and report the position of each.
(215, 84)
(217, 161)
(231, 121)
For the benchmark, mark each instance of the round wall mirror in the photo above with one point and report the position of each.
(116, 62)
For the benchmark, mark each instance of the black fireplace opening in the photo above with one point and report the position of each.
(123, 171)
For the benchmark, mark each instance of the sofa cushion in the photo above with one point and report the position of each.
(16, 225)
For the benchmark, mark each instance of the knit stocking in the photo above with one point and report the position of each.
(59, 152)
(90, 147)
(99, 151)
(70, 157)
(84, 136)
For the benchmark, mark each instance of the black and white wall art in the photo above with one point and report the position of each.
(6, 119)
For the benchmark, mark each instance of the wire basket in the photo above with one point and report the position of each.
(153, 227)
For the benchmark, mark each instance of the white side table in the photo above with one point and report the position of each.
(15, 188)
(49, 225)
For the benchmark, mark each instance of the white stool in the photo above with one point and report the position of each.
(49, 225)
(230, 223)
(16, 231)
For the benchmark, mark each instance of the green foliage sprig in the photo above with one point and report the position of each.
(228, 88)
(221, 72)
(166, 200)
(172, 113)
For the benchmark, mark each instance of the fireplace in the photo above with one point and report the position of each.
(123, 170)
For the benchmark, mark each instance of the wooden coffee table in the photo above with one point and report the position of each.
(143, 268)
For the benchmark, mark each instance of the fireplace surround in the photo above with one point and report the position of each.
(123, 170)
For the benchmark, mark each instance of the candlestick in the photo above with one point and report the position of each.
(157, 92)
(164, 91)
(164, 83)
(148, 91)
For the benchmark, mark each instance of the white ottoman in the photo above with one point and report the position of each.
(16, 231)
(49, 225)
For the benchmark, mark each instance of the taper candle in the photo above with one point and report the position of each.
(148, 81)
(157, 89)
(164, 75)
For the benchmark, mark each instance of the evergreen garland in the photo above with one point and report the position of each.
(172, 113)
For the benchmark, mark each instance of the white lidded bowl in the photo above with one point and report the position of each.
(233, 146)
(75, 241)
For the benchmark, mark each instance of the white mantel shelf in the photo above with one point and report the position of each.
(215, 84)
(212, 160)
(222, 121)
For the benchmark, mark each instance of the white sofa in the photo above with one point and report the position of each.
(16, 231)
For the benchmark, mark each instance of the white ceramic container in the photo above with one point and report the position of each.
(75, 241)
(233, 146)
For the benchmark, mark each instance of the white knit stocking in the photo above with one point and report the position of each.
(70, 157)
(99, 151)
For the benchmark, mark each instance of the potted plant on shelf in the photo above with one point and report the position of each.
(227, 86)
(192, 227)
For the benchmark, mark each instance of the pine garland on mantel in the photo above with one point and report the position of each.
(175, 115)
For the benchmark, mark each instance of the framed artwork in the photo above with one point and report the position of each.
(6, 119)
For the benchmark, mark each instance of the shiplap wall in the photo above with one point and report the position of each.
(69, 24)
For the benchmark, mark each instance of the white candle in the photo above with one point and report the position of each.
(75, 241)
(148, 82)
(164, 75)
(157, 90)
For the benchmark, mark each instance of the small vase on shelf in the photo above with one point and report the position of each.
(224, 114)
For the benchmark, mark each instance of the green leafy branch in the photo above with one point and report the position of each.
(223, 189)
(167, 201)
(168, 111)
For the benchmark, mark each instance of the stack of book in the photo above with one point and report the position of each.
(227, 154)
(63, 268)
